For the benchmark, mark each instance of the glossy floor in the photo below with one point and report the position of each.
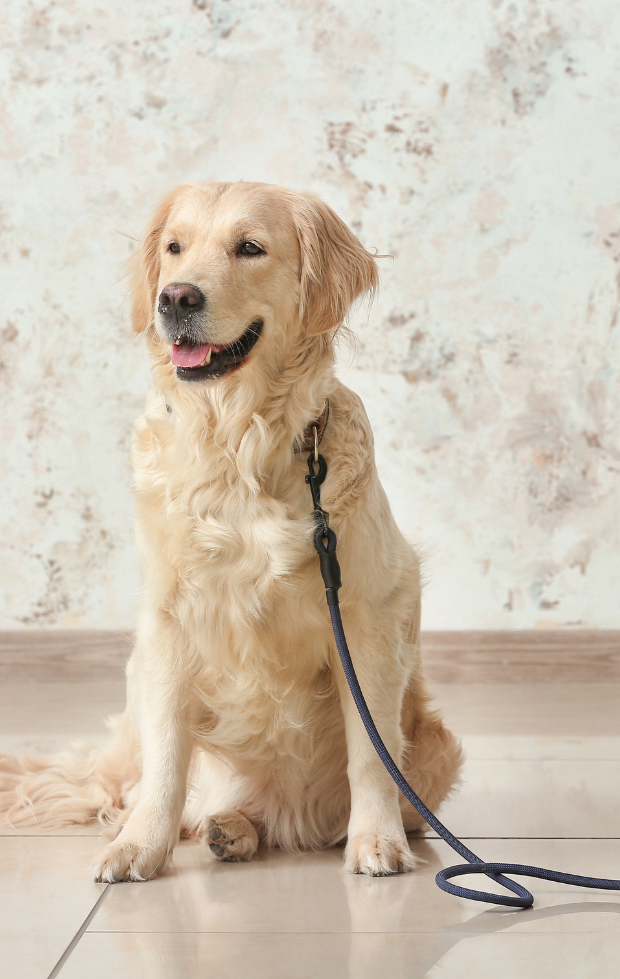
(541, 786)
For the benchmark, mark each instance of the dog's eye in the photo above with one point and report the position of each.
(249, 248)
(174, 247)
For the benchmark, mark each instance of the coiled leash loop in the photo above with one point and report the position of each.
(325, 543)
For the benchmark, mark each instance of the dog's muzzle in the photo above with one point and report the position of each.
(201, 361)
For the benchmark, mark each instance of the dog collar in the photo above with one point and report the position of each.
(320, 424)
(308, 443)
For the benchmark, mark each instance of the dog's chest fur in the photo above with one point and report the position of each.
(227, 561)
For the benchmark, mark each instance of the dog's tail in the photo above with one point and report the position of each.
(75, 786)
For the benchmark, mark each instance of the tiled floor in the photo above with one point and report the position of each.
(542, 786)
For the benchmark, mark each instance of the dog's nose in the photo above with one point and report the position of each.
(179, 299)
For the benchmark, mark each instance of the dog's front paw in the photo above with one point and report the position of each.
(229, 836)
(130, 861)
(378, 855)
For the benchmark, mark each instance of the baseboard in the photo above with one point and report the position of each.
(74, 656)
(526, 656)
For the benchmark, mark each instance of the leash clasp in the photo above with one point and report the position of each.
(314, 480)
(324, 537)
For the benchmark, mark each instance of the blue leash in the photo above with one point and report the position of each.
(330, 570)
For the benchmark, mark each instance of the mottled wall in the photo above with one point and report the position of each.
(476, 141)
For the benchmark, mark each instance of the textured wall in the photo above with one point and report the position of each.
(476, 141)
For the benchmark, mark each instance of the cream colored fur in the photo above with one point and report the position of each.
(239, 725)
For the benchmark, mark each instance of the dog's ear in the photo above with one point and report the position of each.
(145, 268)
(335, 268)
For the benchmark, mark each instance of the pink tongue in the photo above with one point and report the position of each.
(188, 354)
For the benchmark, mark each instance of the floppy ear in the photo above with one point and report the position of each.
(335, 268)
(145, 268)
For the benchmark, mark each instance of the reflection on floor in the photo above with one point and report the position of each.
(541, 786)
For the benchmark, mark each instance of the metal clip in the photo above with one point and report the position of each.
(314, 479)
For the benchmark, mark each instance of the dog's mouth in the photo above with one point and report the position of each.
(199, 361)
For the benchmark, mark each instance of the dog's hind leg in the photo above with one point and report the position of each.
(433, 756)
(230, 836)
(213, 811)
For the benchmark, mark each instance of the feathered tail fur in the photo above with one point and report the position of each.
(71, 787)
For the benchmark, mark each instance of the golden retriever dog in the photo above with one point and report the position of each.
(239, 725)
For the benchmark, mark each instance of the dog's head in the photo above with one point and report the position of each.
(224, 265)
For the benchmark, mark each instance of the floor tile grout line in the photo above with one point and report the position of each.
(428, 836)
(78, 935)
(455, 925)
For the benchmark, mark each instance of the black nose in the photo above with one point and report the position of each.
(179, 299)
